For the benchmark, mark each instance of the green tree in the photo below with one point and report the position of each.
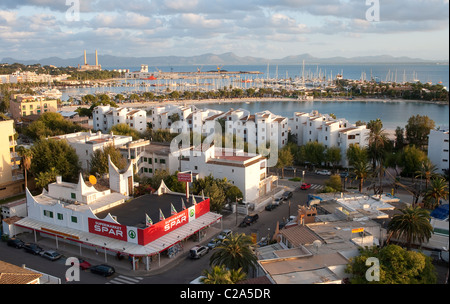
(438, 189)
(417, 130)
(396, 266)
(334, 183)
(362, 170)
(217, 275)
(99, 160)
(411, 225)
(126, 130)
(411, 160)
(313, 152)
(45, 178)
(56, 154)
(285, 159)
(427, 171)
(333, 155)
(26, 155)
(235, 252)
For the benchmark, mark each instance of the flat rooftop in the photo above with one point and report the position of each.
(133, 212)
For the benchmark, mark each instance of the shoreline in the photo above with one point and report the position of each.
(147, 104)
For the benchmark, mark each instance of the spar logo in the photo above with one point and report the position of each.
(177, 220)
(108, 229)
(131, 234)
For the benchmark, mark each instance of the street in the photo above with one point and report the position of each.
(184, 269)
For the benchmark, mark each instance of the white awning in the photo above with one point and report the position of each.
(92, 239)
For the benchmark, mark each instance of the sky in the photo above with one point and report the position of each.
(273, 29)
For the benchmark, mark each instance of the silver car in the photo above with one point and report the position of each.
(51, 255)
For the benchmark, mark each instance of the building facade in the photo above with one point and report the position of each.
(438, 149)
(23, 105)
(331, 132)
(86, 143)
(105, 117)
(12, 181)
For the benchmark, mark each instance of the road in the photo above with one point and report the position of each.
(186, 270)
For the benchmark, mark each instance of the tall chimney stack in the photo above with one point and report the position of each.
(85, 60)
(96, 58)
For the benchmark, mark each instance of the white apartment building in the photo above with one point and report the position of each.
(105, 117)
(161, 115)
(148, 157)
(86, 143)
(246, 171)
(438, 149)
(310, 127)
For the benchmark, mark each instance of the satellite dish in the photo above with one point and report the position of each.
(92, 179)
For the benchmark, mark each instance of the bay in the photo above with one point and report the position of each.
(392, 114)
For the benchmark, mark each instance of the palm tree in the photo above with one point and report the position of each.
(412, 224)
(427, 171)
(25, 162)
(217, 275)
(235, 252)
(377, 141)
(221, 275)
(437, 190)
(362, 170)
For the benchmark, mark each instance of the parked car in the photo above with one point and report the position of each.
(287, 195)
(270, 207)
(323, 172)
(249, 219)
(83, 264)
(305, 186)
(103, 269)
(197, 252)
(214, 242)
(278, 201)
(32, 248)
(51, 255)
(344, 174)
(224, 233)
(16, 243)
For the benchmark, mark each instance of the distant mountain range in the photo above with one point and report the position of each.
(109, 62)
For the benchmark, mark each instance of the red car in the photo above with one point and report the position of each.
(83, 264)
(305, 186)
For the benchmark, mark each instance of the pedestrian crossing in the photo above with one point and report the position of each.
(121, 279)
(316, 186)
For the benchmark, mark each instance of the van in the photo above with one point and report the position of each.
(197, 252)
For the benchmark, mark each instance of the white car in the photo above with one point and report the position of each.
(323, 172)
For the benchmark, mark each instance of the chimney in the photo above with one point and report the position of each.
(85, 60)
(58, 179)
(96, 58)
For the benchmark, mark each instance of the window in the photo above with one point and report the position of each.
(73, 195)
(351, 137)
(60, 216)
(48, 213)
(145, 170)
(162, 161)
(150, 160)
(74, 219)
(156, 160)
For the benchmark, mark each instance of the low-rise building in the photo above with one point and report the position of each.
(23, 105)
(105, 117)
(245, 170)
(438, 149)
(86, 143)
(331, 132)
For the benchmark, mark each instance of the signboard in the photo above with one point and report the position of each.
(172, 223)
(108, 229)
(185, 177)
(356, 230)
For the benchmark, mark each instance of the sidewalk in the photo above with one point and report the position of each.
(124, 266)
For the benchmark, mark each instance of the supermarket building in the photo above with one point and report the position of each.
(111, 222)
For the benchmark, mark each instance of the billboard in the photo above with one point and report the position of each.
(185, 177)
(172, 223)
(108, 229)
